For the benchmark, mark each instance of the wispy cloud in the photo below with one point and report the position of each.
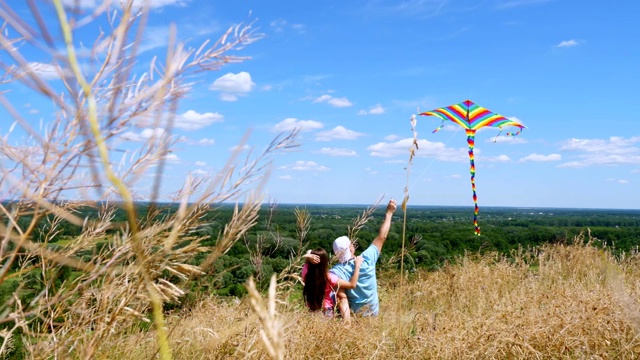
(567, 43)
(282, 25)
(144, 135)
(426, 148)
(339, 132)
(541, 158)
(192, 120)
(304, 166)
(337, 152)
(45, 71)
(189, 120)
(508, 4)
(374, 110)
(603, 152)
(333, 101)
(499, 158)
(293, 123)
(618, 181)
(408, 8)
(202, 142)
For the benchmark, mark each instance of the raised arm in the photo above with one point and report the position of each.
(386, 225)
(351, 284)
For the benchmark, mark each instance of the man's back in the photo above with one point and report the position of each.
(364, 298)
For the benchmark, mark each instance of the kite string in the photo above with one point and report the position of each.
(432, 160)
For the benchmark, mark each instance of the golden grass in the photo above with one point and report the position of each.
(576, 302)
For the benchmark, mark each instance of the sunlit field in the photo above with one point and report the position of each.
(561, 301)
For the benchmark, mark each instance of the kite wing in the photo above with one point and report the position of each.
(472, 116)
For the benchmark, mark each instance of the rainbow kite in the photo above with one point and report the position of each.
(472, 117)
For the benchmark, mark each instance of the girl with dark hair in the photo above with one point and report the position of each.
(321, 286)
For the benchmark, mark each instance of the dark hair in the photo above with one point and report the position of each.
(316, 281)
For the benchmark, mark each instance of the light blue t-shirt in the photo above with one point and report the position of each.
(364, 298)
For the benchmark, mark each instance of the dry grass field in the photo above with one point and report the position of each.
(560, 302)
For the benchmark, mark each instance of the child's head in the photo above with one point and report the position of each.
(343, 248)
(316, 280)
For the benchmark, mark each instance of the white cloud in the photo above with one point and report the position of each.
(335, 102)
(507, 140)
(285, 177)
(541, 158)
(154, 37)
(618, 181)
(199, 172)
(228, 97)
(192, 120)
(144, 135)
(189, 120)
(339, 132)
(300, 28)
(289, 124)
(567, 43)
(172, 158)
(391, 137)
(499, 158)
(304, 166)
(233, 85)
(375, 110)
(281, 25)
(614, 145)
(278, 25)
(205, 142)
(603, 152)
(45, 71)
(240, 148)
(425, 149)
(337, 152)
(200, 163)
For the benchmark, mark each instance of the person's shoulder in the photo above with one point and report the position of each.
(371, 250)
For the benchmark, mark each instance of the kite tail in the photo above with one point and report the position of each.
(472, 171)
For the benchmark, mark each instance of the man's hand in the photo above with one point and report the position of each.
(359, 260)
(391, 208)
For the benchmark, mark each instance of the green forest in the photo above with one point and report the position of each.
(433, 236)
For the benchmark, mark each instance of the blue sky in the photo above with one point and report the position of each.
(350, 74)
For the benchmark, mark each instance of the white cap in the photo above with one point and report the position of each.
(342, 249)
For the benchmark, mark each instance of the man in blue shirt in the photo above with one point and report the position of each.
(363, 299)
